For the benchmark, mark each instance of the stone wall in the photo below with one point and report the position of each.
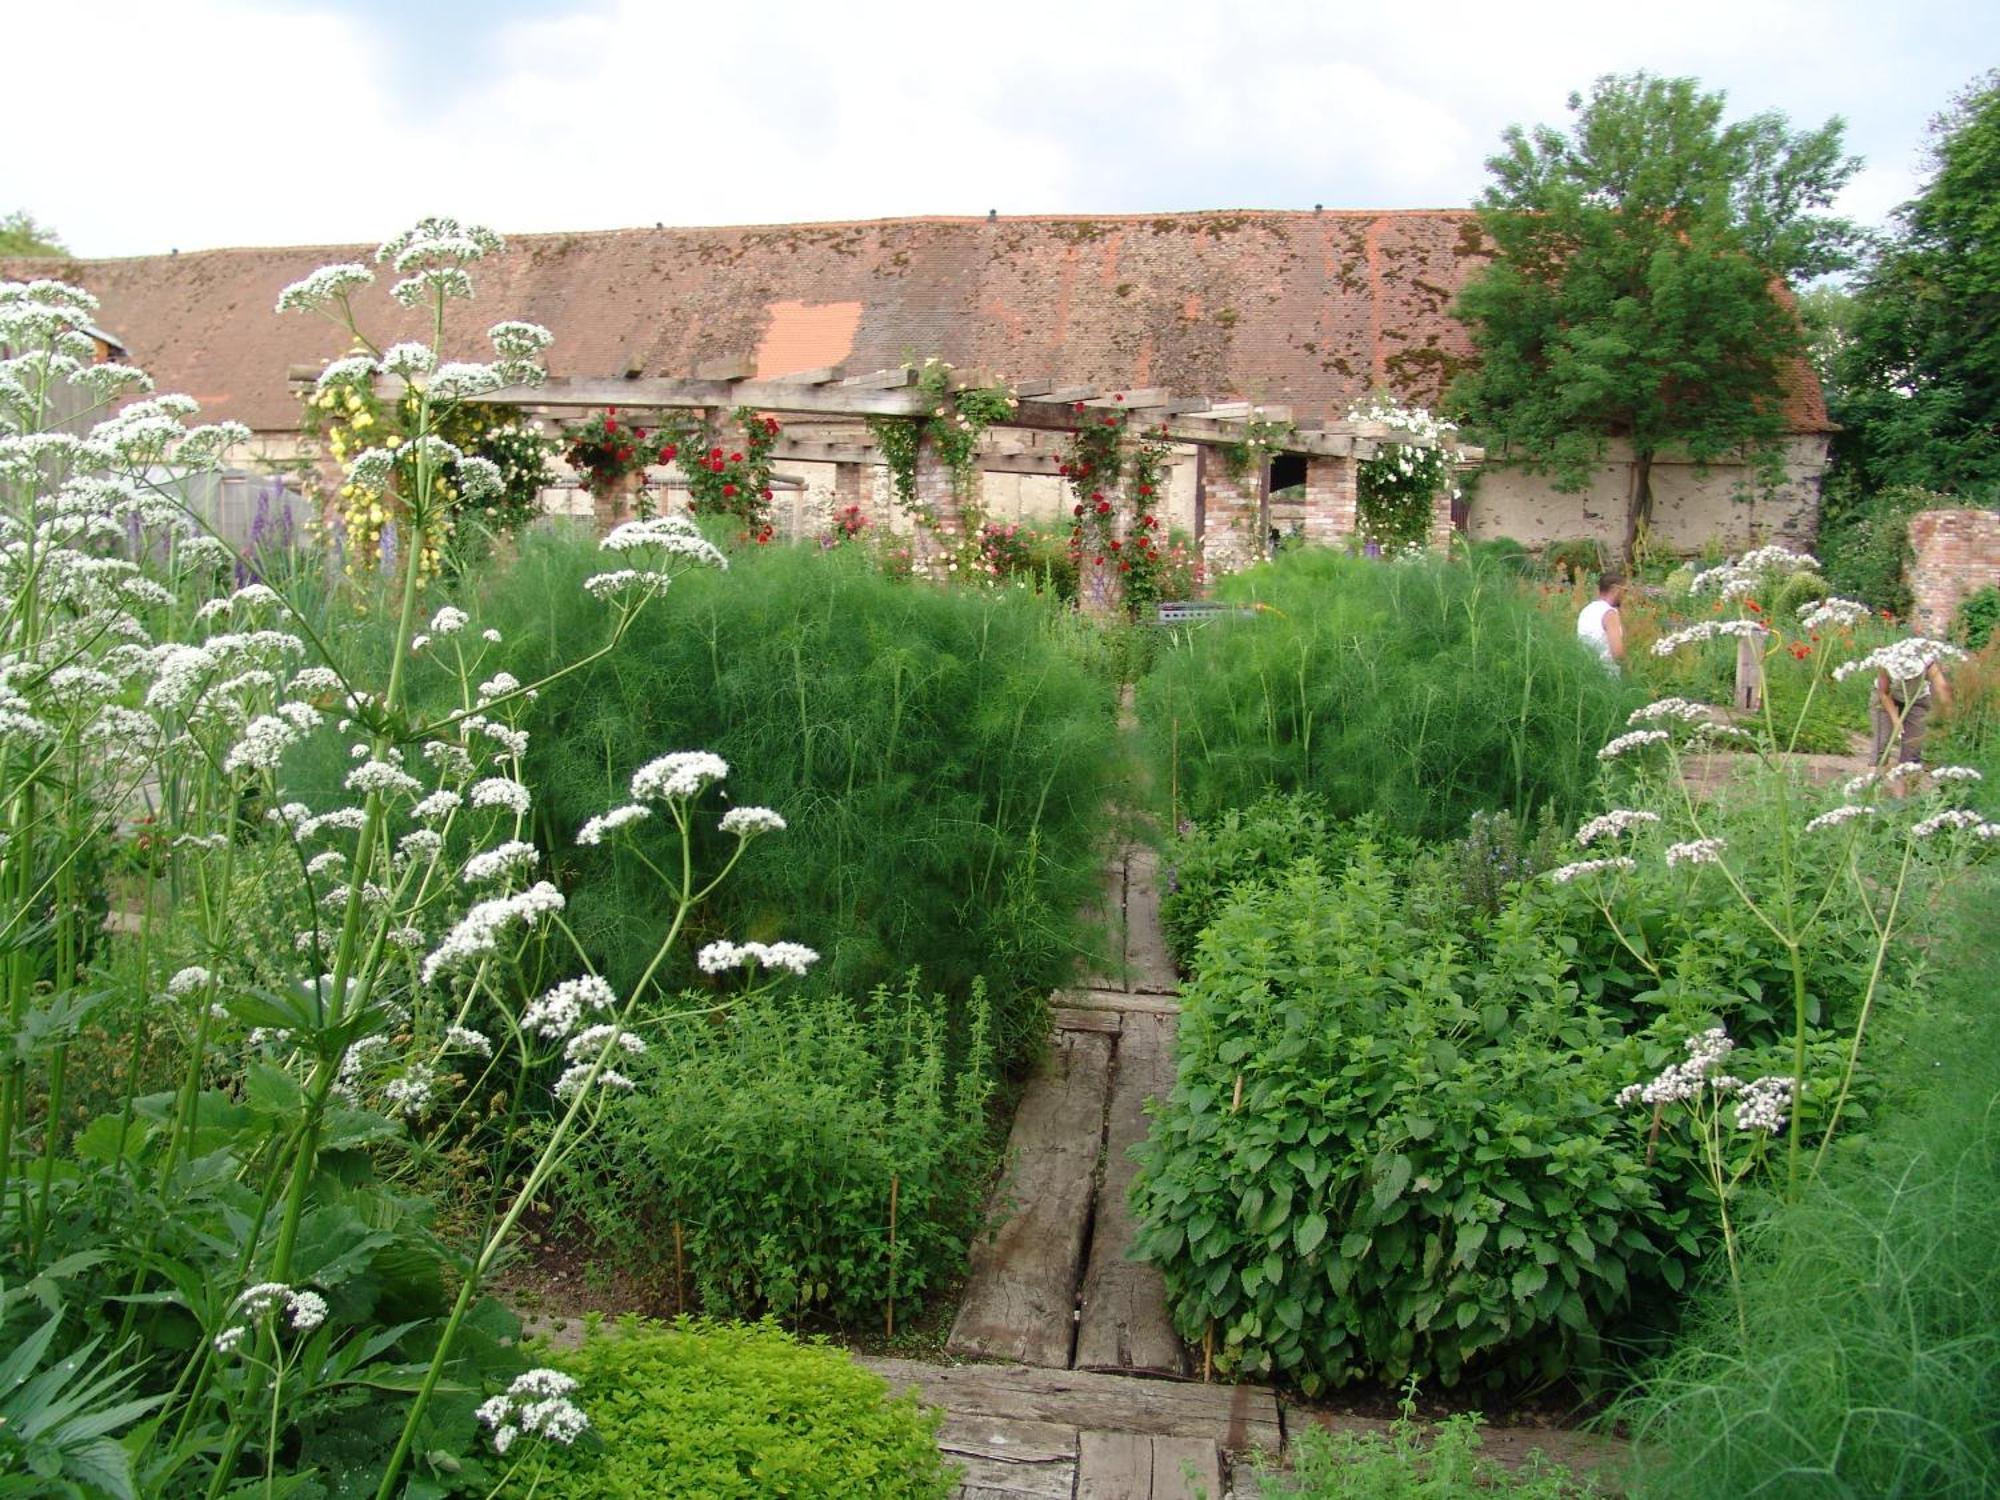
(1690, 508)
(1955, 553)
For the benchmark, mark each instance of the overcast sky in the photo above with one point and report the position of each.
(199, 123)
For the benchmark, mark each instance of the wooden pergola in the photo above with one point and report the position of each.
(825, 413)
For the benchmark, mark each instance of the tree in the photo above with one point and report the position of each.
(1636, 288)
(21, 235)
(1921, 375)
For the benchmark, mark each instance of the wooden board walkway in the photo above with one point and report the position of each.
(1053, 1283)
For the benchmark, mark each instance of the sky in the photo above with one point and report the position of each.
(192, 124)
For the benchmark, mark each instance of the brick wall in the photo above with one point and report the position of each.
(1956, 552)
(1229, 539)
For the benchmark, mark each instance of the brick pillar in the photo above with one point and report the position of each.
(1229, 539)
(618, 504)
(849, 488)
(1441, 527)
(940, 520)
(1331, 501)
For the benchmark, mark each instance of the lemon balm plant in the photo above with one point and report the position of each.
(227, 1228)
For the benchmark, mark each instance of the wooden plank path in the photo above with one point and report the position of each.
(1053, 1283)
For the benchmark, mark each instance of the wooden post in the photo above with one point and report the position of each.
(1749, 673)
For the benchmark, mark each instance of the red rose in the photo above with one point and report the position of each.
(771, 426)
(1097, 494)
(1104, 507)
(1077, 407)
(1111, 421)
(624, 455)
(1124, 567)
(736, 458)
(667, 453)
(767, 494)
(639, 434)
(1116, 544)
(1145, 489)
(715, 466)
(1078, 510)
(609, 427)
(729, 492)
(715, 453)
(610, 411)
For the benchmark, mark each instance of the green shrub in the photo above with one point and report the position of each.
(1420, 691)
(1383, 1156)
(1581, 558)
(1868, 1358)
(1864, 543)
(1205, 862)
(942, 759)
(716, 1411)
(769, 1143)
(1978, 614)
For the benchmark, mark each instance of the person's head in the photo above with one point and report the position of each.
(1611, 586)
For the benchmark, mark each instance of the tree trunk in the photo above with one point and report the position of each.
(1639, 509)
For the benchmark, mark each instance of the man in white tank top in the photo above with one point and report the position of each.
(1598, 624)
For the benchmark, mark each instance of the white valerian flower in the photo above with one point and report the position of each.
(1707, 630)
(496, 863)
(593, 831)
(670, 536)
(1956, 819)
(459, 381)
(587, 1042)
(1765, 1105)
(341, 819)
(1845, 813)
(537, 1404)
(679, 775)
(1619, 821)
(1632, 739)
(1955, 773)
(323, 286)
(619, 580)
(305, 1310)
(557, 1013)
(413, 1092)
(1906, 661)
(1672, 708)
(327, 862)
(265, 740)
(478, 932)
(490, 636)
(438, 804)
(349, 369)
(499, 685)
(465, 1039)
(381, 776)
(577, 1074)
(1696, 852)
(371, 469)
(1583, 867)
(194, 977)
(449, 620)
(502, 791)
(721, 956)
(1834, 614)
(409, 360)
(1855, 786)
(747, 821)
(480, 480)
(1683, 1082)
(517, 340)
(420, 843)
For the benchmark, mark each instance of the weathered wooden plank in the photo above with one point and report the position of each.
(1063, 394)
(1099, 998)
(1013, 1440)
(1123, 1323)
(882, 380)
(1186, 1468)
(1136, 398)
(1020, 1299)
(658, 393)
(1027, 389)
(1063, 1018)
(823, 375)
(1236, 1418)
(1107, 912)
(1114, 1466)
(1148, 970)
(727, 367)
(1004, 1459)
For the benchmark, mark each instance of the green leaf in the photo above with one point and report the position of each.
(1389, 1186)
(1310, 1232)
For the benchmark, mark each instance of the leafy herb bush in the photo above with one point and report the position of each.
(1422, 691)
(941, 759)
(719, 1411)
(1865, 1359)
(1205, 862)
(1383, 1158)
(813, 1157)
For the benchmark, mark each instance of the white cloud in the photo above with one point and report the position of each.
(231, 122)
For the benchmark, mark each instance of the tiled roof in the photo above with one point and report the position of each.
(1308, 309)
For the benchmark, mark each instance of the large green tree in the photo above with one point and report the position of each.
(1920, 375)
(1635, 291)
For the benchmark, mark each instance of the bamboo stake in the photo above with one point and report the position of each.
(894, 1183)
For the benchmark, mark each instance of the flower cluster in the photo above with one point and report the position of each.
(1618, 821)
(721, 956)
(1396, 488)
(1683, 1082)
(537, 1404)
(1619, 865)
(603, 449)
(1632, 739)
(303, 1310)
(1907, 661)
(1696, 852)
